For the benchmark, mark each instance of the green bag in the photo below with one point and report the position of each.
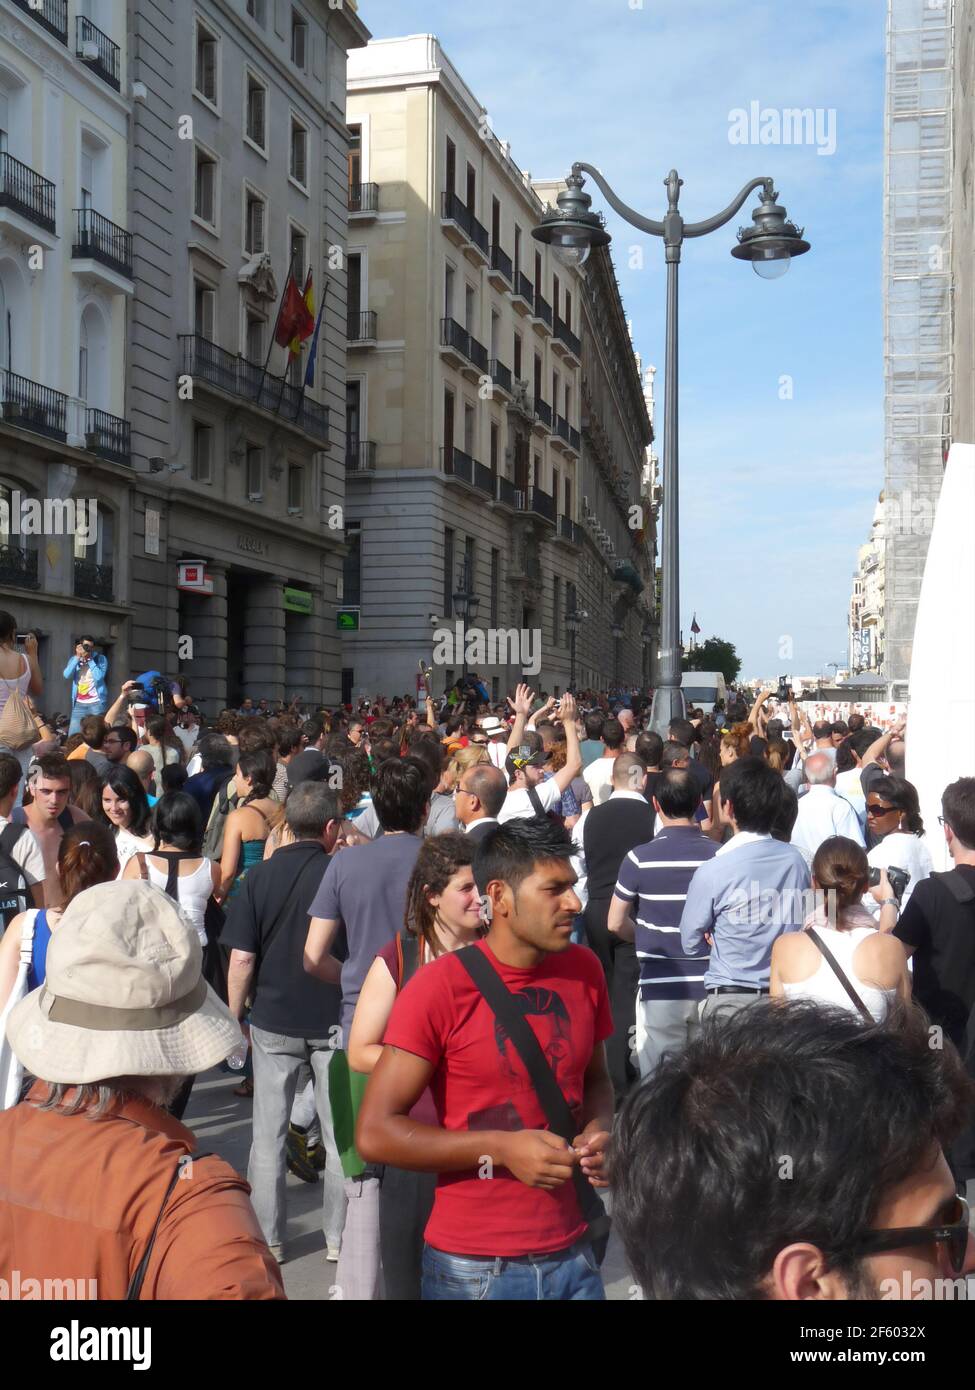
(346, 1089)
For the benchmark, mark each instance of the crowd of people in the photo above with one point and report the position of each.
(493, 973)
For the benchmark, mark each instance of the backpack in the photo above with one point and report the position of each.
(222, 807)
(14, 895)
(18, 729)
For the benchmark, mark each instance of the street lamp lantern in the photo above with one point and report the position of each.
(572, 229)
(573, 623)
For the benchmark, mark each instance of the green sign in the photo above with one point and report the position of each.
(297, 601)
(347, 619)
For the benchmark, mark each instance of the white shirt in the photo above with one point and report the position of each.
(497, 752)
(187, 737)
(822, 814)
(517, 805)
(901, 850)
(26, 853)
(127, 845)
(598, 777)
(482, 820)
(744, 837)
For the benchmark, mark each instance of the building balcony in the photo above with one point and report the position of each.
(543, 416)
(568, 531)
(102, 252)
(463, 229)
(214, 367)
(462, 351)
(51, 15)
(541, 315)
(484, 480)
(455, 464)
(27, 201)
(507, 495)
(94, 581)
(97, 51)
(522, 294)
(108, 437)
(500, 272)
(565, 344)
(361, 328)
(500, 378)
(542, 504)
(360, 456)
(18, 567)
(566, 438)
(363, 200)
(29, 406)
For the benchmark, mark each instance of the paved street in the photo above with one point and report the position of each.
(222, 1123)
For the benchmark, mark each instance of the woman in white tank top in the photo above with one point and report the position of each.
(872, 962)
(176, 863)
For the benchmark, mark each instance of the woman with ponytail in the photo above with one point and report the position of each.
(248, 827)
(86, 856)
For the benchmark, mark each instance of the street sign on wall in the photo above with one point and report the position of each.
(347, 619)
(297, 601)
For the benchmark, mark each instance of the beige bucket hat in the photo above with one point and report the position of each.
(124, 993)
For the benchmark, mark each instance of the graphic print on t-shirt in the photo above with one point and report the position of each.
(555, 1039)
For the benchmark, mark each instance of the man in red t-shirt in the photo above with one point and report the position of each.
(506, 1221)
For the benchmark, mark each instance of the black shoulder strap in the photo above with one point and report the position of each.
(290, 898)
(135, 1287)
(536, 802)
(9, 836)
(840, 974)
(957, 885)
(560, 1118)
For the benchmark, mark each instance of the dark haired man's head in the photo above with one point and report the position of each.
(119, 741)
(523, 870)
(173, 777)
(312, 813)
(839, 731)
(526, 763)
(93, 729)
(823, 731)
(649, 747)
(855, 723)
(682, 731)
(9, 777)
(958, 814)
(594, 724)
(677, 795)
(383, 748)
(751, 789)
(714, 1141)
(613, 734)
(674, 755)
(774, 729)
(401, 794)
(313, 732)
(786, 815)
(215, 751)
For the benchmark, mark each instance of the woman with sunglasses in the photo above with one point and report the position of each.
(894, 820)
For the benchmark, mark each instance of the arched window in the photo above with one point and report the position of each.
(93, 377)
(18, 552)
(94, 558)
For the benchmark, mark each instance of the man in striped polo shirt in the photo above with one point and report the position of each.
(655, 877)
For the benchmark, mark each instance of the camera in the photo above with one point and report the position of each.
(784, 692)
(897, 878)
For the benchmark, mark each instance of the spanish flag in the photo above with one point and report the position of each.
(307, 325)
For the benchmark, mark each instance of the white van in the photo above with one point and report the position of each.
(703, 688)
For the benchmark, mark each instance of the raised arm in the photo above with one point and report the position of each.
(522, 706)
(573, 753)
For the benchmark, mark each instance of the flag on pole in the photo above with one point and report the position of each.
(694, 627)
(294, 347)
(294, 318)
(313, 354)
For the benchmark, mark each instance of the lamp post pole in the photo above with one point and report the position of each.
(573, 621)
(572, 230)
(465, 605)
(617, 636)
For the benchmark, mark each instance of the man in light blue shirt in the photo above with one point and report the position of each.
(753, 889)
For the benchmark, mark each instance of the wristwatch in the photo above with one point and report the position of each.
(891, 902)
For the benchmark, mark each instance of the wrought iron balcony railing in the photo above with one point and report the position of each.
(457, 464)
(108, 436)
(565, 335)
(103, 241)
(522, 287)
(501, 263)
(543, 504)
(361, 326)
(99, 52)
(543, 310)
(500, 375)
(94, 581)
(544, 411)
(51, 15)
(453, 210)
(360, 456)
(250, 382)
(18, 567)
(452, 335)
(363, 197)
(23, 190)
(33, 407)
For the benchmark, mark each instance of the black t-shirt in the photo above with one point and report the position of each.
(699, 771)
(287, 1000)
(303, 764)
(942, 932)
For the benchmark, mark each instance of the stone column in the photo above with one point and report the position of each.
(304, 652)
(264, 644)
(204, 621)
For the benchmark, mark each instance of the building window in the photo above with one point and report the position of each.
(517, 260)
(556, 610)
(254, 219)
(468, 430)
(255, 473)
(204, 310)
(495, 448)
(448, 572)
(296, 488)
(450, 169)
(202, 454)
(205, 188)
(299, 40)
(355, 159)
(517, 367)
(299, 152)
(495, 585)
(256, 125)
(298, 253)
(254, 337)
(568, 309)
(255, 8)
(352, 565)
(206, 64)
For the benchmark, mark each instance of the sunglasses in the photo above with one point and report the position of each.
(874, 808)
(953, 1234)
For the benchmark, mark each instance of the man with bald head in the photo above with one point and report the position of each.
(142, 764)
(478, 799)
(822, 811)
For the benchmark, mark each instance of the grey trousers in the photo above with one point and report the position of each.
(728, 1003)
(359, 1268)
(277, 1063)
(663, 1025)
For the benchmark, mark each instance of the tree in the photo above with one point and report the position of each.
(714, 655)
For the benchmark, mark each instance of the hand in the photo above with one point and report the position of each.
(245, 1028)
(30, 643)
(128, 685)
(882, 889)
(523, 701)
(537, 1158)
(591, 1146)
(897, 730)
(79, 651)
(568, 709)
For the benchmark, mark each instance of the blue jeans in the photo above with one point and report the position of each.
(565, 1275)
(78, 713)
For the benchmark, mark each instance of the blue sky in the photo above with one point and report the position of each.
(776, 494)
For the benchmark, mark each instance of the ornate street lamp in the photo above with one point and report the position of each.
(617, 631)
(572, 229)
(466, 604)
(573, 622)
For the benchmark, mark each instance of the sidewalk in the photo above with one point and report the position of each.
(222, 1123)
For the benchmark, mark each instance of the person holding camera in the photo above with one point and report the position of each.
(86, 671)
(894, 817)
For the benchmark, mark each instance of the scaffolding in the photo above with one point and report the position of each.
(917, 301)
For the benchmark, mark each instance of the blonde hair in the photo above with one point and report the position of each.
(471, 756)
